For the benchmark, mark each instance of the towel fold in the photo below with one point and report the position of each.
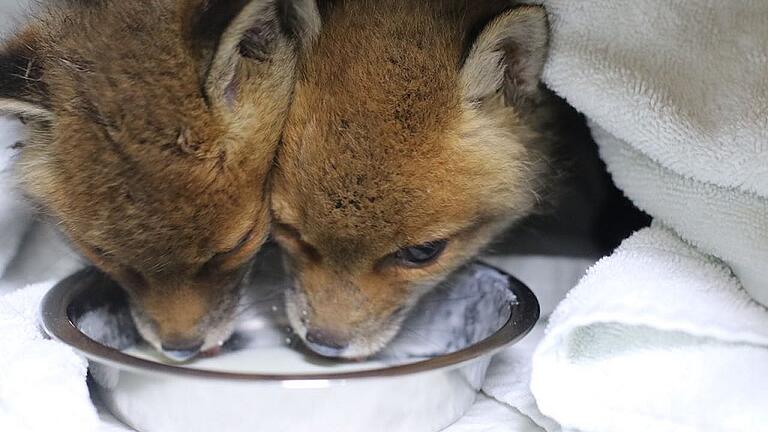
(508, 380)
(656, 337)
(489, 415)
(728, 223)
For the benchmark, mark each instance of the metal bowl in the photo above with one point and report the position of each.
(263, 381)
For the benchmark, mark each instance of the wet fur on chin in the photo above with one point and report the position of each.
(360, 347)
(220, 325)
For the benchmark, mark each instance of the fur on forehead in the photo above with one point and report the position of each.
(130, 154)
(383, 139)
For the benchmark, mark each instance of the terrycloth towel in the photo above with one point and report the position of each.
(663, 336)
(508, 381)
(722, 221)
(658, 337)
(677, 92)
(42, 382)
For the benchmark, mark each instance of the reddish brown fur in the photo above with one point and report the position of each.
(150, 177)
(382, 150)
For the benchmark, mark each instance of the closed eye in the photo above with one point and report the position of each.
(286, 230)
(106, 262)
(241, 243)
(230, 259)
(290, 238)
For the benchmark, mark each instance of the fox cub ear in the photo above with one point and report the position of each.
(508, 57)
(22, 89)
(225, 33)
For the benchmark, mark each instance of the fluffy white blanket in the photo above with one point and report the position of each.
(668, 334)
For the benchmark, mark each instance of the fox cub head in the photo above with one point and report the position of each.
(411, 142)
(153, 127)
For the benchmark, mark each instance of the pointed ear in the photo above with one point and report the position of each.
(22, 89)
(508, 57)
(226, 33)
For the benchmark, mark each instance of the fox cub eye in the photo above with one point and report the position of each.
(421, 255)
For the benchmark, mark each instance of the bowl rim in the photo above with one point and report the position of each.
(57, 324)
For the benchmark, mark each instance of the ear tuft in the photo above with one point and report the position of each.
(228, 32)
(301, 19)
(257, 41)
(508, 57)
(22, 89)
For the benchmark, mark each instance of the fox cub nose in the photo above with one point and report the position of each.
(181, 351)
(325, 344)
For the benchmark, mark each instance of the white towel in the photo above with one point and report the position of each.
(489, 415)
(657, 337)
(508, 381)
(728, 223)
(662, 336)
(677, 93)
(42, 382)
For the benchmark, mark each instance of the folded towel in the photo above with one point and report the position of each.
(661, 336)
(677, 93)
(508, 380)
(728, 223)
(42, 382)
(657, 337)
(665, 335)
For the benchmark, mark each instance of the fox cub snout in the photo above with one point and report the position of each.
(153, 128)
(411, 142)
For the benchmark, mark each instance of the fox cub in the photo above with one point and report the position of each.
(153, 127)
(413, 139)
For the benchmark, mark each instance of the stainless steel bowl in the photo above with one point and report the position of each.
(425, 381)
